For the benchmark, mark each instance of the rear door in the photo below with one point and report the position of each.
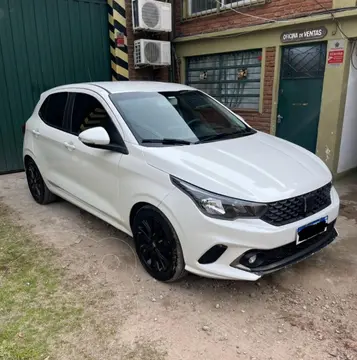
(49, 139)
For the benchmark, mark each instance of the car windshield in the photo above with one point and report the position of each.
(177, 118)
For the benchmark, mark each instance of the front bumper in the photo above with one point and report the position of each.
(281, 257)
(199, 233)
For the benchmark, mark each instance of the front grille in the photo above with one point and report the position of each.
(294, 209)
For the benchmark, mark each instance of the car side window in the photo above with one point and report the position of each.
(53, 109)
(87, 113)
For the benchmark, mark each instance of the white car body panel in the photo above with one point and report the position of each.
(248, 168)
(81, 172)
(257, 167)
(89, 185)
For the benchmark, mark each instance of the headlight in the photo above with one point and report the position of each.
(220, 206)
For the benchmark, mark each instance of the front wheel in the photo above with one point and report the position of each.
(157, 245)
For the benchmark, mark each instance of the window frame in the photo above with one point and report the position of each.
(121, 148)
(220, 82)
(64, 126)
(203, 12)
(219, 7)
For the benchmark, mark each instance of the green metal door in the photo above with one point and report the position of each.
(45, 43)
(302, 73)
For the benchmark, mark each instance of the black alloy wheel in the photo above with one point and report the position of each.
(37, 186)
(35, 181)
(157, 246)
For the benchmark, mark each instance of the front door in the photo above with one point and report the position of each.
(94, 173)
(301, 82)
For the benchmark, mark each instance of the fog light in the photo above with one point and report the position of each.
(252, 259)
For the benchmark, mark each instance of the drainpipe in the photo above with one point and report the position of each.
(172, 37)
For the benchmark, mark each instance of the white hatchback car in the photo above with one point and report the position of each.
(197, 188)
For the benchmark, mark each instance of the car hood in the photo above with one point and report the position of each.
(258, 167)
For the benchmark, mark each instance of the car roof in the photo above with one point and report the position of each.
(127, 86)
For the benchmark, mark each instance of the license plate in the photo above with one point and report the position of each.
(310, 230)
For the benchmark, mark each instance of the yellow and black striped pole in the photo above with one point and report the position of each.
(117, 28)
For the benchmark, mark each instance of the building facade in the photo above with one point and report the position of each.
(122, 57)
(286, 66)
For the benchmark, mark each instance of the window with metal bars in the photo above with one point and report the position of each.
(304, 61)
(231, 78)
(202, 7)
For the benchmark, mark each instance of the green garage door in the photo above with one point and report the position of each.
(45, 43)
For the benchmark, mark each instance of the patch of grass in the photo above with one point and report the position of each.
(34, 309)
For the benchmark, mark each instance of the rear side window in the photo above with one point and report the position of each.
(52, 110)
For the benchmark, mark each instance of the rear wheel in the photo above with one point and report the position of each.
(157, 245)
(37, 186)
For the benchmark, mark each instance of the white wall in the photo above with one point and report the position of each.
(348, 149)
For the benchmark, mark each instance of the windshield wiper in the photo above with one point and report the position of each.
(167, 141)
(241, 132)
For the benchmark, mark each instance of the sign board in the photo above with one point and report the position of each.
(120, 40)
(336, 53)
(303, 35)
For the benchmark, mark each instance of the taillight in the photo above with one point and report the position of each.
(23, 127)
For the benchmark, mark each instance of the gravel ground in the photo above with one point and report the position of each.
(308, 311)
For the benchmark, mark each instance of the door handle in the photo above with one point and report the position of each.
(69, 146)
(280, 118)
(36, 133)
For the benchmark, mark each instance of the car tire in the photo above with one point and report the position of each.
(38, 189)
(157, 245)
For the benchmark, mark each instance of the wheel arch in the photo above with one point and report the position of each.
(28, 155)
(27, 158)
(135, 209)
(139, 205)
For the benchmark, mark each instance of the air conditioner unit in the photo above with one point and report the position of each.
(152, 15)
(152, 52)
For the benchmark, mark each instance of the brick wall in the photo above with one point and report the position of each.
(228, 19)
(261, 121)
(147, 73)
